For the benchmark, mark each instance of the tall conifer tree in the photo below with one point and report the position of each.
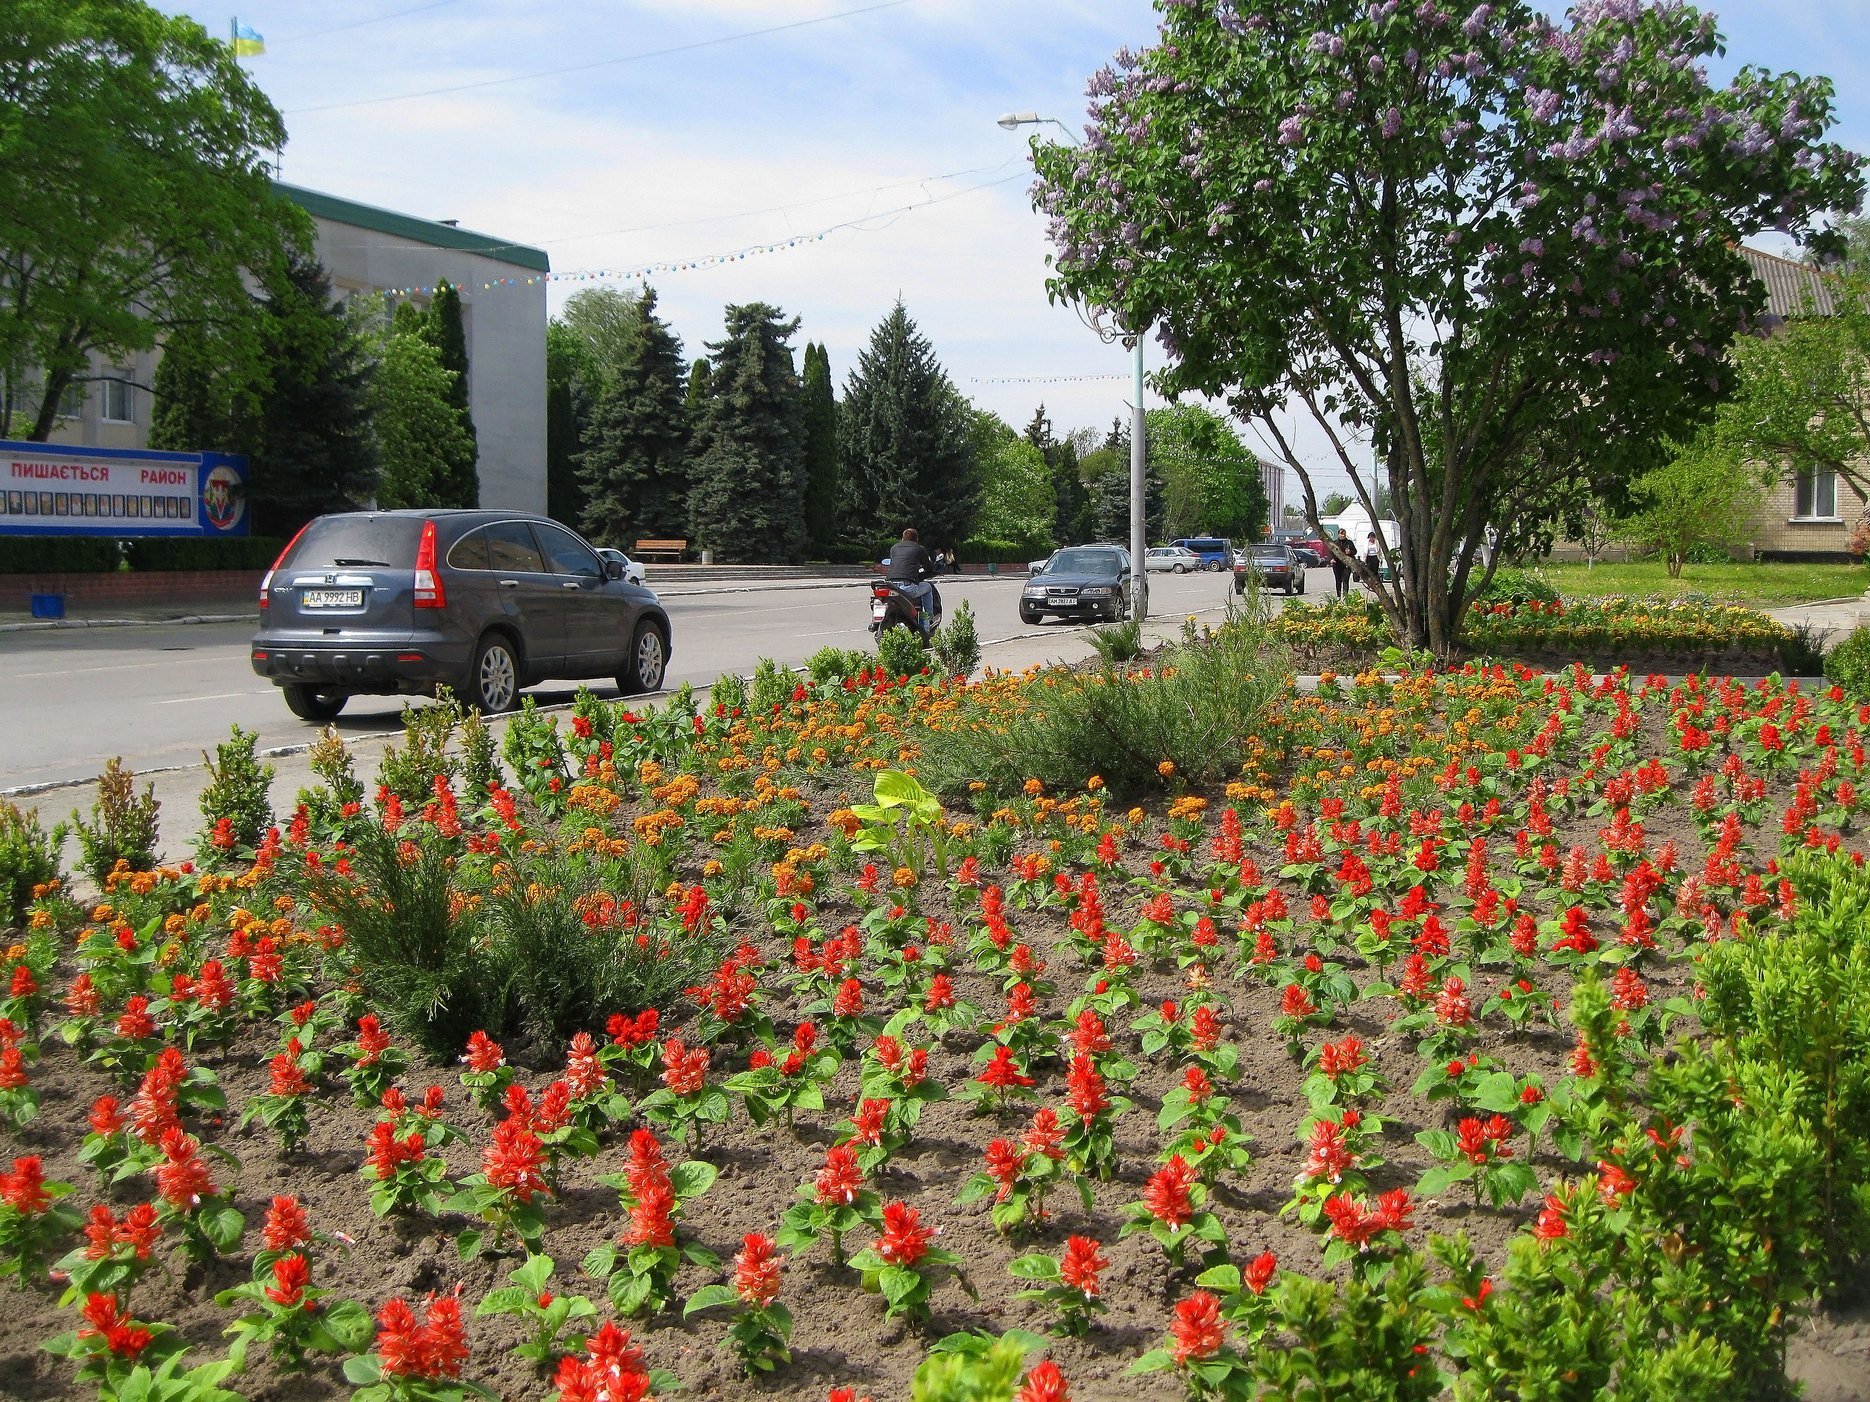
(748, 498)
(904, 441)
(821, 455)
(443, 327)
(634, 469)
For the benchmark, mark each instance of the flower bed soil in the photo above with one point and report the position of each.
(842, 1336)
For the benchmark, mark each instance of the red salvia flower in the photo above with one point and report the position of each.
(513, 1160)
(1551, 1224)
(1260, 1272)
(372, 1040)
(1205, 1031)
(387, 1153)
(940, 994)
(291, 1274)
(1296, 1002)
(122, 1335)
(483, 1054)
(584, 1074)
(840, 1180)
(868, 1123)
(683, 1071)
(182, 1178)
(23, 1189)
(284, 1075)
(1081, 1265)
(1003, 1071)
(444, 1338)
(1084, 1088)
(1043, 1384)
(652, 1205)
(136, 1024)
(105, 1117)
(1329, 1157)
(1046, 1135)
(1004, 1161)
(1088, 1035)
(140, 1230)
(1197, 1328)
(850, 999)
(905, 1240)
(286, 1226)
(1166, 1195)
(756, 1271)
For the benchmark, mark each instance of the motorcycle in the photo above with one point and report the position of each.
(890, 607)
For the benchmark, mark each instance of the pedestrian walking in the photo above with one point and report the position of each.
(1341, 562)
(1373, 559)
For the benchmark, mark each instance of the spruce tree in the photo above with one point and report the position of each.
(314, 447)
(904, 442)
(1110, 504)
(696, 401)
(197, 404)
(821, 456)
(445, 331)
(748, 499)
(634, 467)
(1039, 431)
(1071, 501)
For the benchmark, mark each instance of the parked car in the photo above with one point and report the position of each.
(1178, 559)
(1034, 566)
(385, 603)
(1080, 581)
(1215, 553)
(1310, 551)
(1273, 565)
(633, 570)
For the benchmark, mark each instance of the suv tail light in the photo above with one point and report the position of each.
(266, 580)
(429, 593)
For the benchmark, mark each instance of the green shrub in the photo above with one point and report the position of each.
(957, 643)
(339, 786)
(1802, 654)
(1199, 710)
(480, 765)
(729, 693)
(409, 771)
(123, 825)
(1798, 999)
(772, 686)
(834, 664)
(28, 858)
(237, 790)
(900, 652)
(1117, 643)
(1512, 584)
(417, 957)
(1848, 664)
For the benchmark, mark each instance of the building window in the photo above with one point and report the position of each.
(117, 397)
(71, 401)
(1815, 495)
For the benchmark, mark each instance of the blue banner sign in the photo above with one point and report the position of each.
(52, 489)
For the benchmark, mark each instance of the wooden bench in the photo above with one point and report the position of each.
(674, 549)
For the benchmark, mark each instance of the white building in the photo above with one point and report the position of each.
(366, 249)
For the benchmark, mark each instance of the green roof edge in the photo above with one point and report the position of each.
(385, 221)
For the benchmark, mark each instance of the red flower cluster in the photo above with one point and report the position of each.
(182, 1178)
(139, 1230)
(1353, 1222)
(905, 1240)
(1167, 1194)
(23, 1189)
(840, 1180)
(513, 1160)
(435, 1348)
(122, 1335)
(1197, 1328)
(388, 1153)
(1003, 1071)
(483, 1054)
(1081, 1265)
(652, 1200)
(286, 1226)
(684, 1071)
(611, 1370)
(756, 1271)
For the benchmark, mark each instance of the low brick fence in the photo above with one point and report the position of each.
(225, 590)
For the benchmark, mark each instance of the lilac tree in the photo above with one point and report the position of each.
(1498, 249)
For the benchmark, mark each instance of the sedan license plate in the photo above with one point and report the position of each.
(331, 598)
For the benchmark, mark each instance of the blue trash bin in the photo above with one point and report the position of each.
(48, 605)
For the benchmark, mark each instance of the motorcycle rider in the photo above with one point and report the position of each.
(909, 570)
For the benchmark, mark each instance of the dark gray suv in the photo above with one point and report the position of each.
(386, 602)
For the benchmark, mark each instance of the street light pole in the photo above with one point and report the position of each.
(1139, 537)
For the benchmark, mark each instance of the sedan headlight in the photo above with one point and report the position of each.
(1096, 591)
(1035, 591)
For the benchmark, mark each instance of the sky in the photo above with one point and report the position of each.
(656, 135)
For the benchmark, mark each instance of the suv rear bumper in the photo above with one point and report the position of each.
(379, 669)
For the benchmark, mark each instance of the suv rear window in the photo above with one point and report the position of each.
(385, 541)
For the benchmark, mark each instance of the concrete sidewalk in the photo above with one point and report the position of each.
(1839, 617)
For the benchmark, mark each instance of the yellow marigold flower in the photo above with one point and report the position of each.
(904, 877)
(1033, 788)
(1166, 769)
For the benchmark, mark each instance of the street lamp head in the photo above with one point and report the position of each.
(1019, 119)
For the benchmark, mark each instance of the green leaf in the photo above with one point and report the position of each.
(709, 1297)
(1037, 1266)
(1498, 1093)
(363, 1370)
(1440, 1178)
(897, 1283)
(693, 1178)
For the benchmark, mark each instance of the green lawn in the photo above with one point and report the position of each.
(1757, 586)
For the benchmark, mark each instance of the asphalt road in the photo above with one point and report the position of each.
(159, 695)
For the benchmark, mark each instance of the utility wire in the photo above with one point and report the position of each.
(360, 23)
(602, 62)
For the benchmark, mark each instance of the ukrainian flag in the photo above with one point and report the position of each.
(247, 41)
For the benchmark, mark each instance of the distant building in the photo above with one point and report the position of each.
(1273, 482)
(366, 250)
(1810, 513)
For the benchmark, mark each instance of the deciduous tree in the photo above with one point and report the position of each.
(135, 193)
(1702, 496)
(1212, 483)
(1475, 227)
(1017, 498)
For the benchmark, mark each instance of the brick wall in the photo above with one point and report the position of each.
(188, 591)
